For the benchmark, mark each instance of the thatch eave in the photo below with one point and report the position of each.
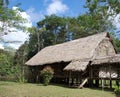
(106, 60)
(77, 65)
(30, 64)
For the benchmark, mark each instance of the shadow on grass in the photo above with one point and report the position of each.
(55, 84)
(60, 85)
(102, 89)
(117, 95)
(107, 89)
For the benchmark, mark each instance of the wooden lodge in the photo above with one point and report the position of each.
(78, 62)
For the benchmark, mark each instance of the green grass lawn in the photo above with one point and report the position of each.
(12, 89)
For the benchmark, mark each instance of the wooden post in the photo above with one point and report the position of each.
(117, 83)
(77, 79)
(110, 78)
(37, 74)
(110, 84)
(72, 81)
(97, 82)
(69, 77)
(90, 78)
(102, 84)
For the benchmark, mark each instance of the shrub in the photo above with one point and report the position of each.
(117, 89)
(47, 74)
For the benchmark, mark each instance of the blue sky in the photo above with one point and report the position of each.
(37, 9)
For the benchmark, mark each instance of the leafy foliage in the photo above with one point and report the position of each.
(19, 61)
(50, 31)
(47, 74)
(56, 27)
(117, 89)
(6, 63)
(117, 44)
(103, 13)
(10, 17)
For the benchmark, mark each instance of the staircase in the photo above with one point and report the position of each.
(83, 83)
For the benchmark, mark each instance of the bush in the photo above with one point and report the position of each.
(117, 89)
(47, 74)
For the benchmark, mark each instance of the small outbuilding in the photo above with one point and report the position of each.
(78, 62)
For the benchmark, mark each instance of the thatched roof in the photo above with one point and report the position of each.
(82, 48)
(77, 66)
(107, 59)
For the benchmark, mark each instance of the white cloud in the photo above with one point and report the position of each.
(14, 45)
(15, 38)
(1, 46)
(116, 21)
(24, 15)
(34, 16)
(56, 7)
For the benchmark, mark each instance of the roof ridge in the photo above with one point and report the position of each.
(77, 39)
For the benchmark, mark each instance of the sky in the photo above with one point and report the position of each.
(35, 10)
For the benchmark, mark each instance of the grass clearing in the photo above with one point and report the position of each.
(12, 89)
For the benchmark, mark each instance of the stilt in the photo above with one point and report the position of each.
(90, 77)
(117, 83)
(72, 81)
(97, 82)
(102, 80)
(37, 81)
(69, 78)
(110, 78)
(110, 84)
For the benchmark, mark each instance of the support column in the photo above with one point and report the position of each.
(97, 82)
(69, 78)
(110, 78)
(110, 84)
(90, 77)
(102, 84)
(117, 83)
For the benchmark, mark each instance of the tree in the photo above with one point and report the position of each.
(4, 3)
(35, 43)
(10, 17)
(51, 30)
(35, 32)
(102, 13)
(19, 60)
(100, 17)
(6, 63)
(55, 29)
(117, 44)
